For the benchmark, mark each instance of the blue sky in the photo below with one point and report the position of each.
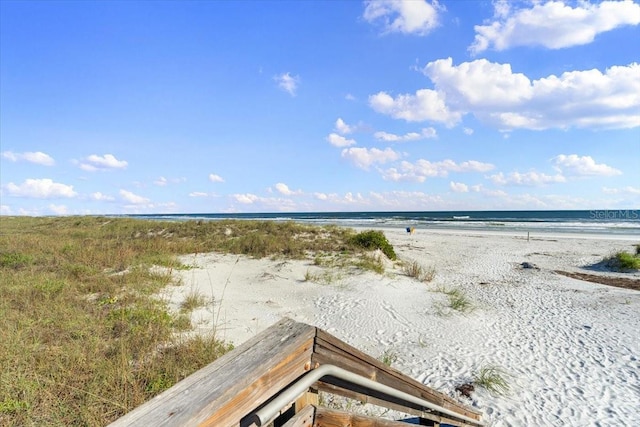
(258, 106)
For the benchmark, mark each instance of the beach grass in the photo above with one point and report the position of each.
(192, 301)
(389, 357)
(457, 300)
(493, 379)
(85, 338)
(418, 271)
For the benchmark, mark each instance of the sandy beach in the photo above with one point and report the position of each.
(570, 349)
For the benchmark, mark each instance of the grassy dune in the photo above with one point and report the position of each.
(83, 339)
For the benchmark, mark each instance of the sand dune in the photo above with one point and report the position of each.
(570, 348)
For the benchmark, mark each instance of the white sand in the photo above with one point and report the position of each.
(571, 348)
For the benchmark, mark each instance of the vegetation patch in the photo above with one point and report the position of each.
(84, 338)
(624, 261)
(389, 357)
(192, 301)
(457, 300)
(417, 271)
(493, 379)
(373, 239)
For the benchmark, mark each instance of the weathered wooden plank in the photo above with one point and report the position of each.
(378, 370)
(333, 418)
(221, 393)
(329, 349)
(432, 416)
(330, 388)
(308, 398)
(304, 418)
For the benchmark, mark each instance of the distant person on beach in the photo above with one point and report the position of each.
(410, 230)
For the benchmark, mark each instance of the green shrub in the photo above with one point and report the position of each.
(372, 240)
(624, 261)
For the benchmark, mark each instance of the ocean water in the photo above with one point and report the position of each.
(618, 222)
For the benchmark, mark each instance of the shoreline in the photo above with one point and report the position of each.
(569, 347)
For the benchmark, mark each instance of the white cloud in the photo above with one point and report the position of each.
(343, 128)
(426, 104)
(161, 182)
(5, 210)
(37, 157)
(129, 197)
(339, 140)
(468, 131)
(349, 97)
(246, 199)
(198, 194)
(102, 197)
(320, 196)
(59, 209)
(365, 157)
(583, 166)
(403, 16)
(625, 190)
(41, 189)
(284, 189)
(288, 83)
(458, 187)
(102, 163)
(215, 178)
(497, 95)
(531, 178)
(553, 24)
(411, 136)
(423, 169)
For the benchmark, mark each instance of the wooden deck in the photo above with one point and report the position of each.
(230, 391)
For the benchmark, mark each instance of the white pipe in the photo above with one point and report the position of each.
(269, 411)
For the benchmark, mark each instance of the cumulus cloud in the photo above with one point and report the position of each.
(40, 189)
(497, 95)
(343, 128)
(458, 187)
(365, 157)
(215, 178)
(245, 199)
(423, 169)
(37, 157)
(403, 16)
(5, 210)
(583, 166)
(284, 189)
(102, 197)
(102, 163)
(426, 104)
(411, 136)
(288, 83)
(553, 24)
(132, 198)
(339, 140)
(530, 178)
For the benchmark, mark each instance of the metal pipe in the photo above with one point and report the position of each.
(269, 411)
